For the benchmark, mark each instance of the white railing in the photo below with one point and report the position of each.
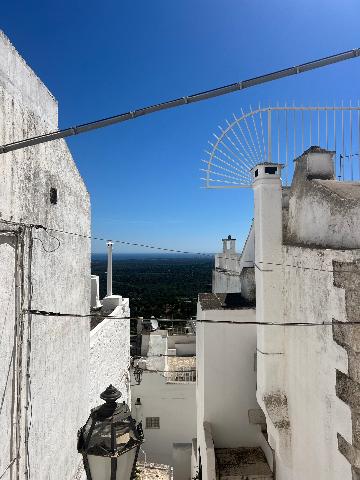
(279, 135)
(177, 331)
(181, 375)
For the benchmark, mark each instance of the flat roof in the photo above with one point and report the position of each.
(178, 363)
(154, 471)
(224, 301)
(345, 190)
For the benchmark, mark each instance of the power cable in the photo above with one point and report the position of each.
(171, 250)
(229, 322)
(7, 468)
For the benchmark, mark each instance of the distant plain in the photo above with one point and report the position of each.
(159, 285)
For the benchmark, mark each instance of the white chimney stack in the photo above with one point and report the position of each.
(110, 302)
(268, 259)
(109, 268)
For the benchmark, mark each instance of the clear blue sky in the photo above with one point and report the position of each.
(100, 58)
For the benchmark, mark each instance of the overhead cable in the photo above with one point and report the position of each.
(171, 250)
(230, 322)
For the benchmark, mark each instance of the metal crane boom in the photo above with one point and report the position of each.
(197, 97)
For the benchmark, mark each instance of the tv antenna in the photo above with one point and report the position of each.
(279, 135)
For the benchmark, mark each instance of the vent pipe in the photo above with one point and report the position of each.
(109, 268)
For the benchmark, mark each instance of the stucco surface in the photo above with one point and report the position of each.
(312, 359)
(302, 371)
(54, 351)
(109, 358)
(226, 377)
(174, 404)
(322, 211)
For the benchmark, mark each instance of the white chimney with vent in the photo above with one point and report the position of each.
(268, 260)
(109, 268)
(110, 302)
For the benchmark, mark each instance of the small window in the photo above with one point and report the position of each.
(152, 422)
(271, 170)
(53, 196)
(256, 172)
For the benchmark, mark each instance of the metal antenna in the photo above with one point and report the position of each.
(239, 148)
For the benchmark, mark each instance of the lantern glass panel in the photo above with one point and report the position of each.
(100, 467)
(125, 433)
(100, 440)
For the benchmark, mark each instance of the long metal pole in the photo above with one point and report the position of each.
(197, 97)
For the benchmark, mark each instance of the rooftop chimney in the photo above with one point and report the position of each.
(229, 244)
(317, 163)
(109, 268)
(268, 259)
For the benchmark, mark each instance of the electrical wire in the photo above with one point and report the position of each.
(7, 468)
(51, 250)
(228, 322)
(171, 250)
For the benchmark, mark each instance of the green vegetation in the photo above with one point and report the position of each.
(163, 286)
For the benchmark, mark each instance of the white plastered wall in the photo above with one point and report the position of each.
(226, 379)
(55, 350)
(174, 404)
(110, 356)
(316, 414)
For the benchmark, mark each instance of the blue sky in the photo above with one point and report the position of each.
(103, 58)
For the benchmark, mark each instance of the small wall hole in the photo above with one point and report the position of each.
(53, 196)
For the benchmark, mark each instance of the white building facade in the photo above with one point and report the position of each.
(165, 399)
(307, 253)
(228, 416)
(48, 367)
(302, 262)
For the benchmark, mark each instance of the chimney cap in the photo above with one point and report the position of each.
(314, 149)
(229, 237)
(267, 164)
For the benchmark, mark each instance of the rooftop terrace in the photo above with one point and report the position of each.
(242, 463)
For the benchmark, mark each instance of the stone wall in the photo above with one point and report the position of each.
(347, 277)
(315, 366)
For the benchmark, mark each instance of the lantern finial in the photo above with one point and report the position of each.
(111, 394)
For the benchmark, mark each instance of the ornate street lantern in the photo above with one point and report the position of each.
(137, 374)
(110, 440)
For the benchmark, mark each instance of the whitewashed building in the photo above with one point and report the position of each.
(230, 438)
(52, 368)
(165, 398)
(307, 249)
(306, 253)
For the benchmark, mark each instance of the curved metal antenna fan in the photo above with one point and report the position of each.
(236, 149)
(280, 135)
